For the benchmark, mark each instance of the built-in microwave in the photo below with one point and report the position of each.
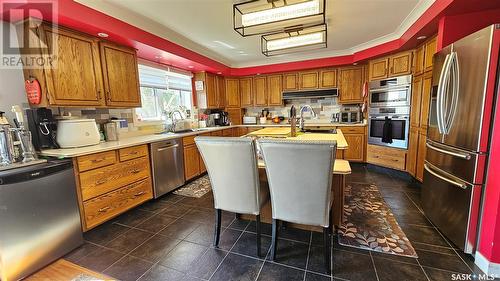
(391, 92)
(389, 126)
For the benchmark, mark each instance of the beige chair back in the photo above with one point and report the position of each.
(232, 167)
(300, 179)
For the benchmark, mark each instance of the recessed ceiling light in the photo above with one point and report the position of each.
(102, 34)
(224, 44)
(190, 66)
(421, 37)
(355, 63)
(219, 72)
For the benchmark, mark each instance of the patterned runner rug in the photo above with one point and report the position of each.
(370, 224)
(196, 188)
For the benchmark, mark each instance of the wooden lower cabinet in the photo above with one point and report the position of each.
(422, 149)
(112, 182)
(411, 159)
(191, 161)
(386, 156)
(356, 139)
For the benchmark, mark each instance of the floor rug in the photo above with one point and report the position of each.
(369, 223)
(196, 188)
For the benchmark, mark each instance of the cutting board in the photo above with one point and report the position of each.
(277, 132)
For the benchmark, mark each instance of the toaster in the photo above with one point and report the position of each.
(249, 120)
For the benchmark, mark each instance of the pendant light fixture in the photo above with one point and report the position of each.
(295, 39)
(257, 17)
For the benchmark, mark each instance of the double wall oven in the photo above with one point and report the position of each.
(389, 117)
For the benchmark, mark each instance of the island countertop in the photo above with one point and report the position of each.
(285, 134)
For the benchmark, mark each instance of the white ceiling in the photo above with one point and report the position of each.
(206, 26)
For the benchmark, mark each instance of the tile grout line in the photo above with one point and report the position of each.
(263, 262)
(308, 253)
(374, 267)
(425, 273)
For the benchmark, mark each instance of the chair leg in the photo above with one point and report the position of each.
(274, 243)
(257, 227)
(327, 242)
(218, 214)
(237, 216)
(331, 223)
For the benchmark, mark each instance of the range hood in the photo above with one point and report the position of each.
(311, 94)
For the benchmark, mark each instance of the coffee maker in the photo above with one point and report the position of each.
(43, 128)
(223, 119)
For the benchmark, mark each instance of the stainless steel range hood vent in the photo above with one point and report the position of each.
(311, 94)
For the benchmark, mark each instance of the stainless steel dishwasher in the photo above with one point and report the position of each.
(167, 162)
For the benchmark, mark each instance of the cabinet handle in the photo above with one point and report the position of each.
(101, 181)
(135, 171)
(133, 153)
(97, 160)
(139, 194)
(104, 209)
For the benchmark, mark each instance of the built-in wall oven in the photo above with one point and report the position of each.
(389, 115)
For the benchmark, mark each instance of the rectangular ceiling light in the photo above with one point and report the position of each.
(271, 16)
(294, 40)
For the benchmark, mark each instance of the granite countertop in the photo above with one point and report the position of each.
(146, 139)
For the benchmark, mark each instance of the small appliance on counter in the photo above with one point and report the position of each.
(350, 114)
(249, 120)
(77, 133)
(42, 126)
(218, 118)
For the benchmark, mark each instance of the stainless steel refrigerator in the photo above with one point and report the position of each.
(463, 93)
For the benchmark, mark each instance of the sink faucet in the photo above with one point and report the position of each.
(171, 116)
(302, 110)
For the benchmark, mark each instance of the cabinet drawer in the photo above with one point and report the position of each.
(96, 182)
(133, 152)
(108, 205)
(387, 157)
(227, 132)
(352, 130)
(188, 140)
(93, 161)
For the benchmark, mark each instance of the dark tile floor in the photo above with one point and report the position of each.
(171, 239)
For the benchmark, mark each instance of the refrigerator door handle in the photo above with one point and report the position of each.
(440, 92)
(464, 156)
(455, 78)
(450, 181)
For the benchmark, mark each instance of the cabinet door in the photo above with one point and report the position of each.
(356, 149)
(274, 84)
(308, 80)
(260, 90)
(422, 150)
(246, 92)
(211, 90)
(121, 75)
(411, 160)
(430, 50)
(419, 60)
(351, 85)
(221, 91)
(327, 78)
(235, 115)
(290, 81)
(416, 99)
(378, 69)
(232, 93)
(191, 161)
(400, 64)
(426, 99)
(77, 78)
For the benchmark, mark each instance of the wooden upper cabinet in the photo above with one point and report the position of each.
(221, 91)
(246, 94)
(430, 50)
(274, 89)
(260, 90)
(232, 92)
(76, 79)
(419, 60)
(416, 101)
(308, 80)
(378, 69)
(290, 81)
(400, 64)
(211, 90)
(351, 81)
(327, 78)
(121, 75)
(426, 99)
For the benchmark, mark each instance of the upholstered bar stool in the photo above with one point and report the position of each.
(232, 167)
(300, 181)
